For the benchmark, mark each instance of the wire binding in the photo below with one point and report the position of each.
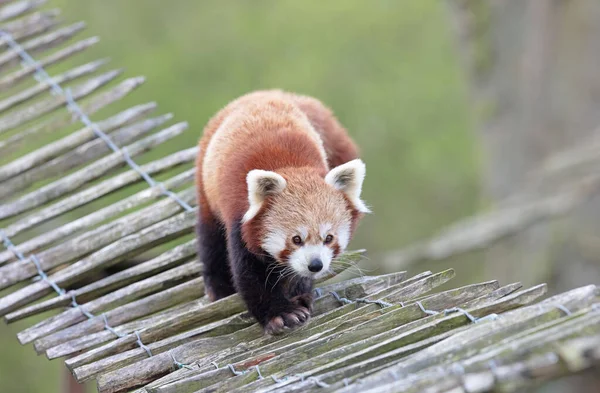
(110, 328)
(428, 312)
(563, 309)
(258, 372)
(179, 365)
(234, 371)
(141, 344)
(344, 300)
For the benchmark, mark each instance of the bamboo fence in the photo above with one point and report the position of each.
(149, 328)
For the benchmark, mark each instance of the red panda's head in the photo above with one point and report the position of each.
(302, 219)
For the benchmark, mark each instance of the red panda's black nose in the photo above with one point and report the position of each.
(315, 265)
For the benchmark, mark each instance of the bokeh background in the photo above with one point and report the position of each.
(453, 104)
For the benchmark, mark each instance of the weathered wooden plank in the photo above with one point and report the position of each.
(84, 344)
(95, 239)
(393, 288)
(545, 337)
(19, 8)
(375, 283)
(92, 105)
(152, 368)
(340, 318)
(98, 216)
(482, 334)
(178, 323)
(98, 288)
(71, 141)
(376, 343)
(105, 187)
(323, 322)
(42, 87)
(20, 75)
(196, 316)
(219, 328)
(83, 154)
(117, 298)
(85, 175)
(39, 44)
(130, 245)
(389, 337)
(169, 288)
(19, 117)
(495, 295)
(350, 372)
(31, 25)
(61, 343)
(420, 287)
(328, 301)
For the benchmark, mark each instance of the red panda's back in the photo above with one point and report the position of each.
(264, 130)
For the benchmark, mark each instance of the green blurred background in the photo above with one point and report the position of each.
(389, 70)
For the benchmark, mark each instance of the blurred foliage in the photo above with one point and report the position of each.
(387, 68)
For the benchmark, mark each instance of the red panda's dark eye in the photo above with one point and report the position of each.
(297, 240)
(328, 239)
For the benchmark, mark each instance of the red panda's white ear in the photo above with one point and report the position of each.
(348, 178)
(260, 185)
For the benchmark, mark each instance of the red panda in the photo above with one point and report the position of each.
(279, 184)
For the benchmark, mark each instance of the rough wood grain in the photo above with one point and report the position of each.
(117, 298)
(105, 187)
(19, 8)
(88, 221)
(116, 252)
(31, 25)
(20, 75)
(84, 153)
(39, 44)
(22, 116)
(53, 344)
(68, 143)
(85, 175)
(84, 345)
(92, 105)
(95, 239)
(98, 288)
(42, 87)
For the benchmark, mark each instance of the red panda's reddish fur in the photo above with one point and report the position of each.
(270, 151)
(298, 140)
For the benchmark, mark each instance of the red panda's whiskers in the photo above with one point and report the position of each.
(270, 270)
(286, 271)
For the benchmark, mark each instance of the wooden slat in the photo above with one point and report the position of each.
(19, 76)
(40, 44)
(85, 175)
(18, 8)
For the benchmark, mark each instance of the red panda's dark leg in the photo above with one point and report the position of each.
(275, 302)
(212, 250)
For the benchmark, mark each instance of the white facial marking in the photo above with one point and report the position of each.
(303, 231)
(324, 230)
(300, 259)
(344, 235)
(274, 242)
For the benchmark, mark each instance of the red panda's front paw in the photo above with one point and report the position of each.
(304, 300)
(296, 317)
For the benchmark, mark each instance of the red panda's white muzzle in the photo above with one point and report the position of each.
(304, 257)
